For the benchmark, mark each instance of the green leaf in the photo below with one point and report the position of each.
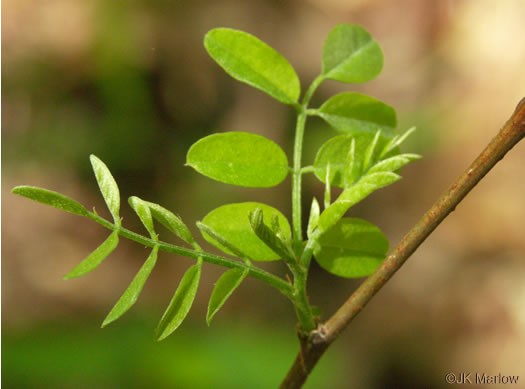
(144, 214)
(353, 195)
(232, 222)
(370, 152)
(172, 222)
(131, 294)
(351, 248)
(396, 141)
(108, 187)
(352, 170)
(351, 55)
(249, 60)
(269, 236)
(181, 302)
(221, 240)
(394, 163)
(327, 187)
(224, 287)
(95, 258)
(239, 158)
(313, 220)
(335, 153)
(49, 197)
(352, 112)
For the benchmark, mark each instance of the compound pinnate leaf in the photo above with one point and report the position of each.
(353, 195)
(351, 55)
(239, 158)
(49, 197)
(232, 222)
(142, 209)
(131, 294)
(181, 302)
(224, 287)
(249, 60)
(351, 112)
(108, 187)
(95, 258)
(351, 248)
(335, 152)
(169, 220)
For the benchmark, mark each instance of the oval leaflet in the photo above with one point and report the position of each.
(239, 158)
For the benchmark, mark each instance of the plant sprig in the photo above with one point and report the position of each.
(363, 158)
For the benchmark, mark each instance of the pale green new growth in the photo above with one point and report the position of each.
(313, 219)
(143, 211)
(370, 151)
(363, 158)
(181, 302)
(222, 241)
(131, 294)
(269, 236)
(232, 221)
(49, 197)
(353, 195)
(108, 187)
(224, 287)
(95, 258)
(172, 222)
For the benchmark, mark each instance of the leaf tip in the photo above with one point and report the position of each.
(17, 189)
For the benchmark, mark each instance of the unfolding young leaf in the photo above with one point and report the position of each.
(232, 222)
(108, 187)
(248, 59)
(394, 163)
(395, 142)
(181, 302)
(239, 158)
(131, 294)
(269, 236)
(95, 258)
(49, 197)
(353, 195)
(314, 217)
(224, 287)
(352, 112)
(335, 153)
(351, 55)
(169, 220)
(351, 248)
(144, 213)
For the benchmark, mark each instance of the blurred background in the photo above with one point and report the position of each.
(131, 82)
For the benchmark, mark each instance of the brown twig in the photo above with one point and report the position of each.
(314, 346)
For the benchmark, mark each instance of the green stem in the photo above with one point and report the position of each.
(284, 287)
(296, 180)
(301, 304)
(297, 156)
(300, 297)
(314, 346)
